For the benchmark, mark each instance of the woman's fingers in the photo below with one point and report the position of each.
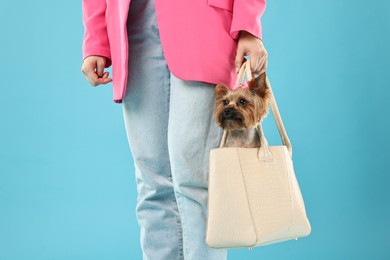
(94, 80)
(249, 44)
(100, 67)
(263, 67)
(259, 64)
(93, 69)
(239, 56)
(105, 79)
(105, 75)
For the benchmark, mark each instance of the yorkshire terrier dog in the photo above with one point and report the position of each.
(240, 111)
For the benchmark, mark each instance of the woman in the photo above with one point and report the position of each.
(166, 58)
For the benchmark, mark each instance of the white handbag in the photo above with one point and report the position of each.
(254, 198)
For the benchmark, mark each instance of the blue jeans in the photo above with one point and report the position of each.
(170, 128)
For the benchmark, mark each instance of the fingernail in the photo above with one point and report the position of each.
(237, 70)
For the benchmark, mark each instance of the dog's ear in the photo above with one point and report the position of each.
(258, 86)
(221, 90)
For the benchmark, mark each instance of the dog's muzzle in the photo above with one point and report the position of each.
(230, 114)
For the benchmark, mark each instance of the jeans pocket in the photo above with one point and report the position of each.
(224, 4)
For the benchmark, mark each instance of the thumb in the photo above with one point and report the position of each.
(239, 58)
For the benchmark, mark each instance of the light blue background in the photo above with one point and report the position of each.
(67, 188)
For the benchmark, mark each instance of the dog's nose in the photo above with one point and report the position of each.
(228, 112)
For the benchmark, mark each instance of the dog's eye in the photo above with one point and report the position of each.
(225, 102)
(242, 101)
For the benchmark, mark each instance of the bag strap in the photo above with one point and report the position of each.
(245, 70)
(279, 121)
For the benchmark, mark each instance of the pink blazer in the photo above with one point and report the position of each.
(198, 37)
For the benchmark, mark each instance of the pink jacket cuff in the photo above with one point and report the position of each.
(98, 52)
(247, 17)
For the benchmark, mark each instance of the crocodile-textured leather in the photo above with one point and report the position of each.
(253, 202)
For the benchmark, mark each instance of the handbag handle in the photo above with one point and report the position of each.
(245, 70)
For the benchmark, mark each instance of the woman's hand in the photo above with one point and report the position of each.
(93, 69)
(253, 46)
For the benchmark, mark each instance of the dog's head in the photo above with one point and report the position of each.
(242, 108)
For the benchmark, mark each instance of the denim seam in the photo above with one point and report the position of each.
(180, 231)
(178, 217)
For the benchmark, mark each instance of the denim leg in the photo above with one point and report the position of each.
(192, 132)
(146, 111)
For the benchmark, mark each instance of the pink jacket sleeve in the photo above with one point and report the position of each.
(95, 41)
(246, 17)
